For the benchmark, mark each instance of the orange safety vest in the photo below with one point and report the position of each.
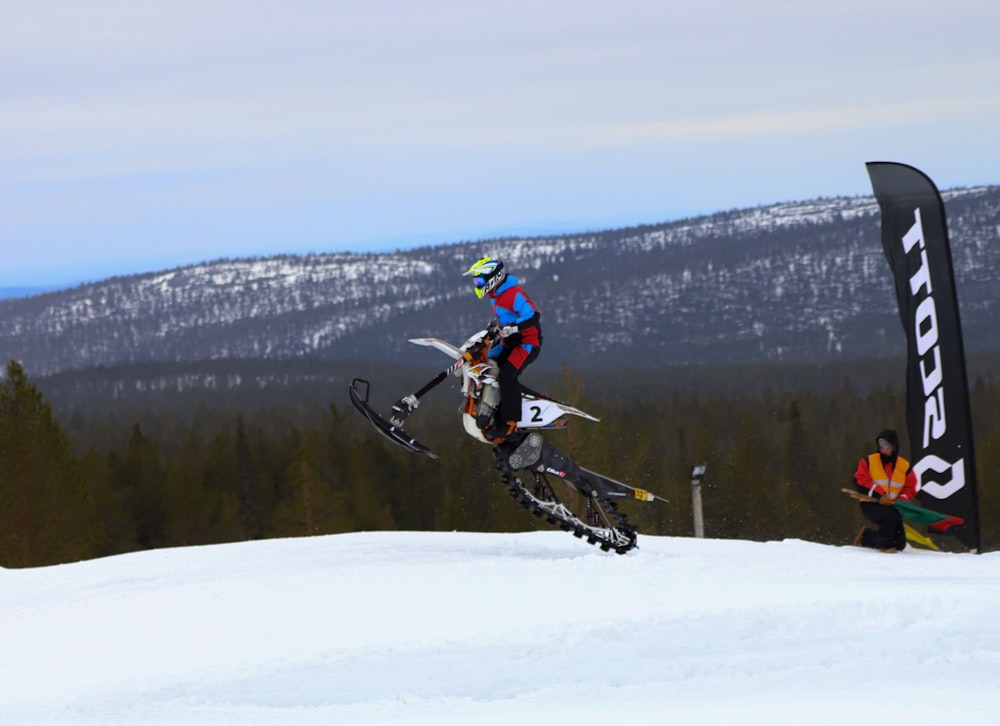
(890, 485)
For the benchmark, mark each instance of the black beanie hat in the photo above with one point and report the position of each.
(891, 436)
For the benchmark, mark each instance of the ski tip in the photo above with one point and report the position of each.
(644, 495)
(392, 432)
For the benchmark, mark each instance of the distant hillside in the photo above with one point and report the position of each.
(9, 292)
(802, 282)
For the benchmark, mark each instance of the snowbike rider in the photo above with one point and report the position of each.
(519, 344)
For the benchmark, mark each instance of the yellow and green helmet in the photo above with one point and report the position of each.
(488, 274)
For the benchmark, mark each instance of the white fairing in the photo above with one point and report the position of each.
(541, 412)
(469, 423)
(442, 345)
(536, 413)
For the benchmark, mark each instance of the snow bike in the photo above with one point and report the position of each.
(528, 465)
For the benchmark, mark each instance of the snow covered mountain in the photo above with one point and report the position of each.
(790, 282)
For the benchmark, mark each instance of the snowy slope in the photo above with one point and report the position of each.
(461, 628)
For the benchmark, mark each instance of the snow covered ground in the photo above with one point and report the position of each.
(533, 628)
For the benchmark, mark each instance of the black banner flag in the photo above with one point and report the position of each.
(938, 416)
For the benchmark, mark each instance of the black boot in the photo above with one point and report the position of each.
(498, 432)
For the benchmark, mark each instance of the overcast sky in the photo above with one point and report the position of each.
(137, 136)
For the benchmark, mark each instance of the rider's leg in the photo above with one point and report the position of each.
(511, 367)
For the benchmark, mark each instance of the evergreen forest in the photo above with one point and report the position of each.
(80, 482)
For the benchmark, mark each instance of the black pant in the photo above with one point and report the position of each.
(890, 533)
(510, 387)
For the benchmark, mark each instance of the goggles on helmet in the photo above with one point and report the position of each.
(487, 274)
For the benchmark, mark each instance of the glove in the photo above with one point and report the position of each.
(886, 500)
(509, 330)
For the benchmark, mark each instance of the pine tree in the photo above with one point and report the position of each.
(747, 482)
(249, 494)
(798, 516)
(140, 476)
(188, 502)
(221, 479)
(35, 523)
(311, 505)
(108, 526)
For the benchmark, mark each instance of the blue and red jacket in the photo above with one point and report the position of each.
(513, 307)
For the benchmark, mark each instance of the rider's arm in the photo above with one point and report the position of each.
(524, 312)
